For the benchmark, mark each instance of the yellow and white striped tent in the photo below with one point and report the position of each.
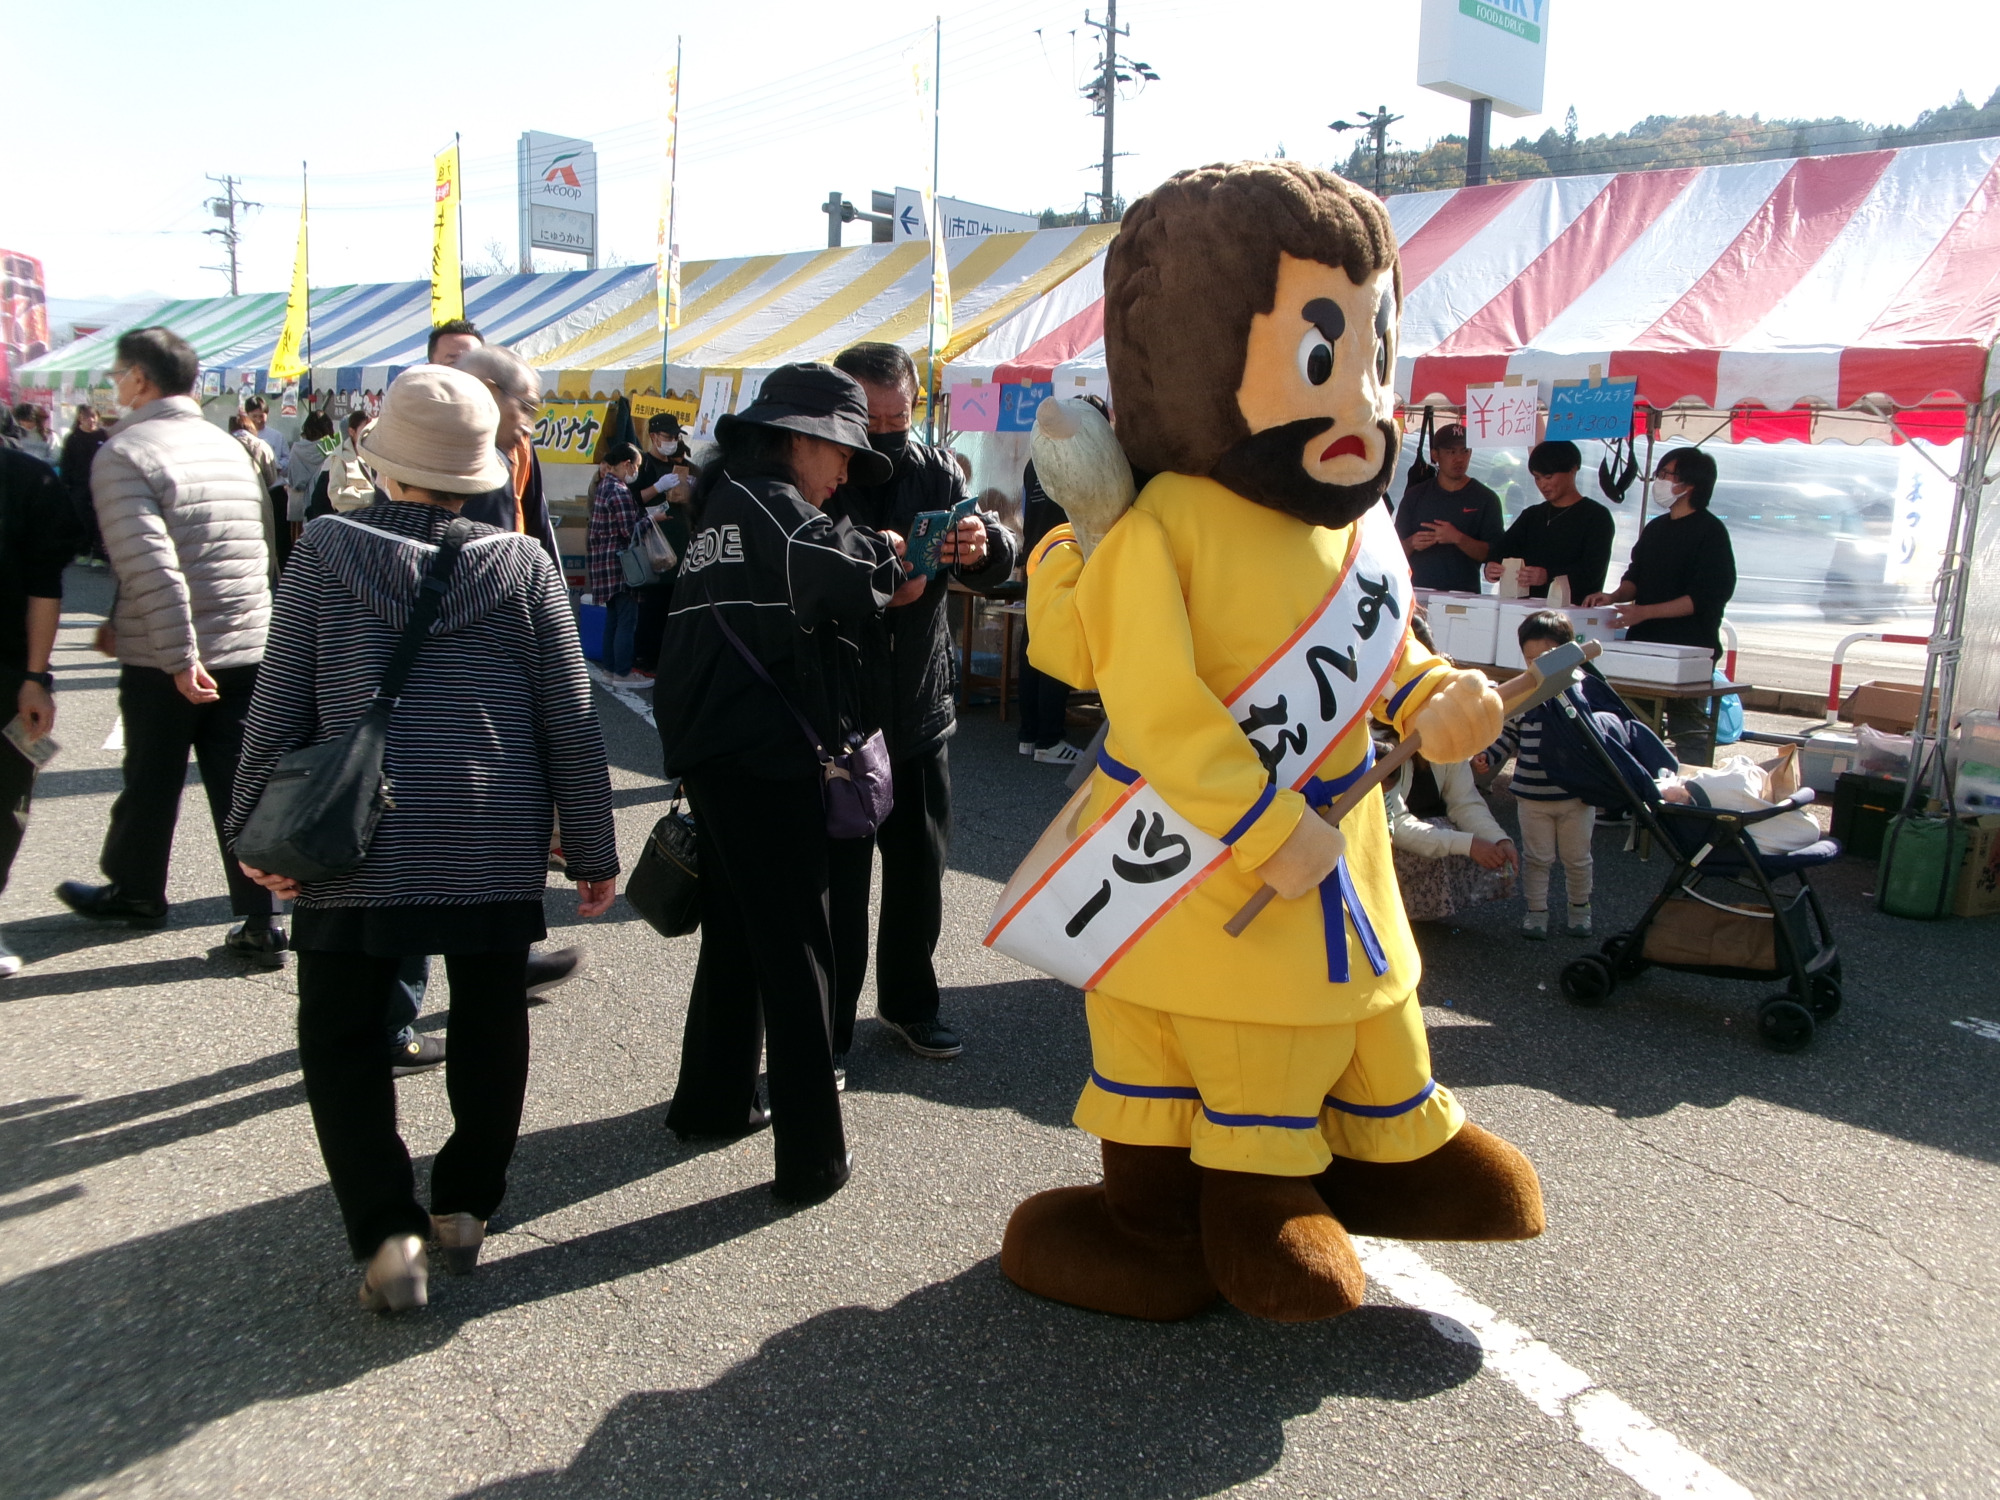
(753, 313)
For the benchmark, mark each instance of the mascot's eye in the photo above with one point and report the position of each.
(1384, 349)
(1315, 357)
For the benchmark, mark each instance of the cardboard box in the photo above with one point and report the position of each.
(1465, 626)
(1979, 875)
(1888, 706)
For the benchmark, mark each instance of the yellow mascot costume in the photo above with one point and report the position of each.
(1259, 1095)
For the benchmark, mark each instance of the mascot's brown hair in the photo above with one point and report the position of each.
(1197, 262)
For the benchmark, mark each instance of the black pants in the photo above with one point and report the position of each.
(1044, 704)
(1688, 732)
(914, 840)
(343, 998)
(654, 602)
(764, 981)
(161, 727)
(17, 792)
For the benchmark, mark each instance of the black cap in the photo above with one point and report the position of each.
(820, 402)
(664, 422)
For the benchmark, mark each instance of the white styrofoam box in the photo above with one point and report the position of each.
(1464, 626)
(1652, 661)
(1507, 631)
(1599, 624)
(1826, 757)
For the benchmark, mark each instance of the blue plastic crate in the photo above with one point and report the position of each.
(590, 630)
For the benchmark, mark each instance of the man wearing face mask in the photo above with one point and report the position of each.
(1681, 578)
(912, 674)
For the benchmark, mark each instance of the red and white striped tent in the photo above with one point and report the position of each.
(1817, 281)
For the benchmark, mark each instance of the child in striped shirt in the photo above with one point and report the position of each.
(1554, 825)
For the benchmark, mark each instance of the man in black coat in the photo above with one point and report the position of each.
(912, 679)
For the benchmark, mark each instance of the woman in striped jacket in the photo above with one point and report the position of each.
(494, 728)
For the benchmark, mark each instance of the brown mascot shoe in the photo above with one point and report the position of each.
(1131, 1245)
(1274, 1250)
(1473, 1187)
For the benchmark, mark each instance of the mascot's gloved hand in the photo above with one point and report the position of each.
(1079, 462)
(1306, 857)
(1460, 719)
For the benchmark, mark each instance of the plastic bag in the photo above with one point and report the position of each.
(1882, 754)
(1728, 717)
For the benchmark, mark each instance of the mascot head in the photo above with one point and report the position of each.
(1250, 328)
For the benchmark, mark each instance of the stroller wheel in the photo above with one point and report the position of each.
(1588, 980)
(1623, 954)
(1784, 1024)
(1825, 1001)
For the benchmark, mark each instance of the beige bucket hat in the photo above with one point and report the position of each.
(436, 430)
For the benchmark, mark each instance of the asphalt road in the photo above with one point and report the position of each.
(1764, 1273)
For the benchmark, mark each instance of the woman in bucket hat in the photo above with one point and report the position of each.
(493, 728)
(788, 582)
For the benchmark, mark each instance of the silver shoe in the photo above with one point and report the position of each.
(459, 1236)
(398, 1276)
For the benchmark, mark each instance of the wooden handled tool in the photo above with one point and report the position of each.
(1547, 675)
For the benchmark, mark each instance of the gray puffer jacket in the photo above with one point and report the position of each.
(188, 531)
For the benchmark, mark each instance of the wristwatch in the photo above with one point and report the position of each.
(46, 679)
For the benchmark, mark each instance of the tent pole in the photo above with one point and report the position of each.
(1940, 688)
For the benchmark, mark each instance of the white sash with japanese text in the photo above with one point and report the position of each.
(1082, 898)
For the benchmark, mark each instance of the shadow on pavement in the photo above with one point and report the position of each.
(972, 1387)
(118, 1354)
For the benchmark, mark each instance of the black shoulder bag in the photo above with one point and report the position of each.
(318, 812)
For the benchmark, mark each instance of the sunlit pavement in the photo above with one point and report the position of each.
(1762, 1272)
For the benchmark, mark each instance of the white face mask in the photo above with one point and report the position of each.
(1663, 493)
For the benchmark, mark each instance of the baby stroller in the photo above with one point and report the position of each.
(1721, 910)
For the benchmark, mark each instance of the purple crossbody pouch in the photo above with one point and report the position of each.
(857, 784)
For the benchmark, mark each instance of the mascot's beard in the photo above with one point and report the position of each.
(1267, 468)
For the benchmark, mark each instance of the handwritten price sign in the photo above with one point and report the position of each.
(1501, 416)
(1578, 409)
(975, 408)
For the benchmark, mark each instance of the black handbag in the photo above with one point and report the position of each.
(665, 885)
(318, 812)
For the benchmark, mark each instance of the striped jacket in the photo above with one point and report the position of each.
(1522, 739)
(494, 727)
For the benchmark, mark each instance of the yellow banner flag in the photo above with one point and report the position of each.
(288, 360)
(447, 291)
(667, 274)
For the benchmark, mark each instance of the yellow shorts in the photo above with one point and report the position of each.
(1279, 1100)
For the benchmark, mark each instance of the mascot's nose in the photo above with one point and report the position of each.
(1347, 447)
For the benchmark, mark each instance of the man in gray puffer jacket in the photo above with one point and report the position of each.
(188, 531)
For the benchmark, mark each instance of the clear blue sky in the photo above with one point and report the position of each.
(124, 107)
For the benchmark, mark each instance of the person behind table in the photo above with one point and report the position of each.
(1450, 853)
(1681, 578)
(1554, 824)
(494, 728)
(614, 516)
(1566, 536)
(1450, 523)
(762, 634)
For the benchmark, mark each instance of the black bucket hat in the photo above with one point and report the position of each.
(821, 402)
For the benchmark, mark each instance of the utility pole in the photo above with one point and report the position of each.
(1104, 93)
(1377, 125)
(225, 208)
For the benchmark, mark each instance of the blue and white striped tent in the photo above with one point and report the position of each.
(361, 335)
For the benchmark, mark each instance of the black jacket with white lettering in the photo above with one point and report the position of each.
(795, 586)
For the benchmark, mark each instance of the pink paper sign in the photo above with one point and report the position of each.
(975, 408)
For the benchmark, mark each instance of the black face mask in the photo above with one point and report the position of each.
(1267, 468)
(891, 443)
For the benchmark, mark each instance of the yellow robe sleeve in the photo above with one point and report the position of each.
(1419, 673)
(1056, 643)
(1165, 722)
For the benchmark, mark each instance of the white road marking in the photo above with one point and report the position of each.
(1980, 1026)
(621, 691)
(1649, 1455)
(116, 739)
